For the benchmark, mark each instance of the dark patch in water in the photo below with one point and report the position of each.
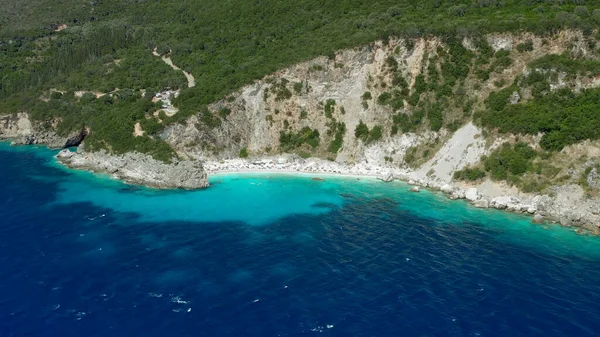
(368, 268)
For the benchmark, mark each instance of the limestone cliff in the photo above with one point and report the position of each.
(383, 106)
(137, 168)
(359, 86)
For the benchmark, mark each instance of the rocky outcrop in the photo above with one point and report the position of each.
(140, 169)
(22, 131)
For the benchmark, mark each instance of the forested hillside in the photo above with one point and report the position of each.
(52, 49)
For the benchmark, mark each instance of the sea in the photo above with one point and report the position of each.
(277, 255)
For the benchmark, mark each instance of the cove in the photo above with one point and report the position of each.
(269, 255)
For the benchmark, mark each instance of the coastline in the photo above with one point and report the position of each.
(133, 169)
(561, 209)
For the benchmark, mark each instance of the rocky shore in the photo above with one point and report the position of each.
(567, 206)
(140, 169)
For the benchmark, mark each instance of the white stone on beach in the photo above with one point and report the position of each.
(472, 195)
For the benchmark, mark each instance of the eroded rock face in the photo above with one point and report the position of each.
(19, 128)
(76, 139)
(137, 168)
(593, 179)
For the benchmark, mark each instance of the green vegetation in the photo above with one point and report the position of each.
(363, 133)
(525, 46)
(298, 87)
(407, 123)
(243, 153)
(435, 116)
(338, 130)
(509, 162)
(469, 174)
(329, 108)
(225, 45)
(224, 112)
(564, 117)
(564, 63)
(289, 141)
(281, 91)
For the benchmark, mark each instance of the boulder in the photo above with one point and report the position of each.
(388, 178)
(471, 194)
(482, 203)
(447, 188)
(538, 218)
(415, 189)
(593, 179)
(514, 98)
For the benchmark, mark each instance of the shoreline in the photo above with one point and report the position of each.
(540, 208)
(559, 208)
(292, 173)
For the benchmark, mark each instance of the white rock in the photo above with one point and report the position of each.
(483, 203)
(471, 194)
(415, 189)
(446, 188)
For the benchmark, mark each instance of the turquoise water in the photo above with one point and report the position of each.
(343, 256)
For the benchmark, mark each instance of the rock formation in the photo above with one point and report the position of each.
(139, 169)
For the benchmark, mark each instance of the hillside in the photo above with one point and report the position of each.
(101, 46)
(499, 96)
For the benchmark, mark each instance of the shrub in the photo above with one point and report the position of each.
(366, 96)
(469, 174)
(436, 117)
(338, 141)
(298, 87)
(525, 46)
(384, 98)
(375, 134)
(362, 131)
(224, 112)
(329, 108)
(290, 140)
(243, 153)
(458, 10)
(510, 161)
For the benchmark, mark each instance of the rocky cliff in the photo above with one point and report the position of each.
(403, 108)
(137, 168)
(21, 131)
(316, 108)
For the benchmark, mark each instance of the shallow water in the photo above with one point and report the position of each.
(259, 255)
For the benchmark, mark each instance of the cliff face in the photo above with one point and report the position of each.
(348, 89)
(135, 168)
(281, 113)
(386, 105)
(140, 169)
(21, 131)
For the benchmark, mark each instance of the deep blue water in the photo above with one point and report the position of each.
(82, 255)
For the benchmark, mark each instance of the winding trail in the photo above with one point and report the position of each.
(190, 78)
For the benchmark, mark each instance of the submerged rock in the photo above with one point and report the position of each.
(538, 218)
(140, 169)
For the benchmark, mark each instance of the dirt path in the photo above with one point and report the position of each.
(190, 78)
